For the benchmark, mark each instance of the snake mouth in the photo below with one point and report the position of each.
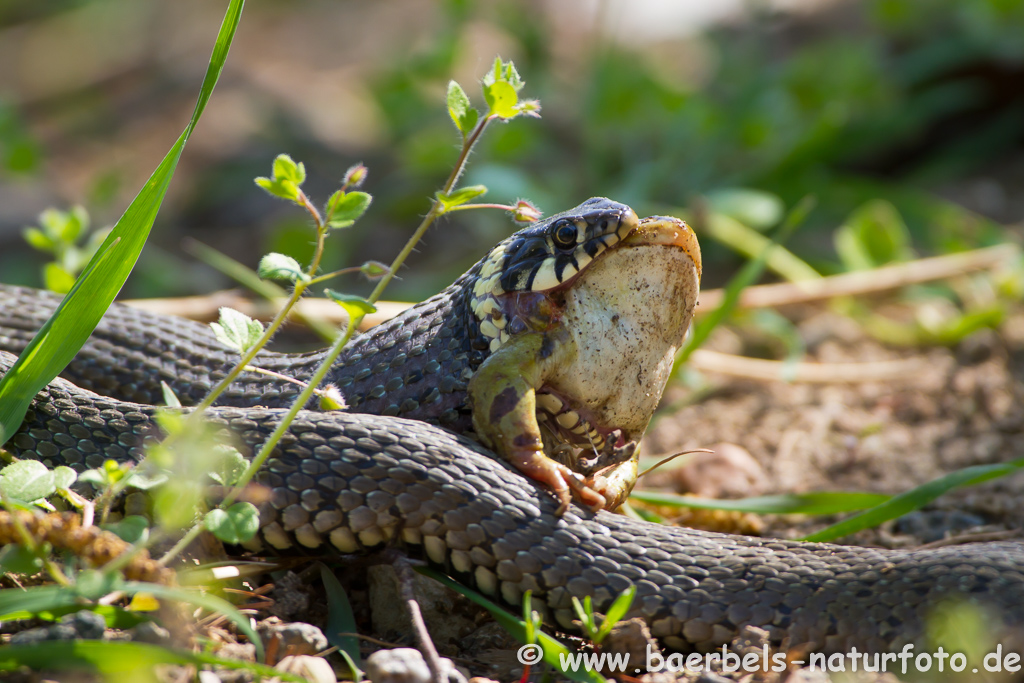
(664, 231)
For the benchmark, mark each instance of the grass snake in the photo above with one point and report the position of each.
(397, 469)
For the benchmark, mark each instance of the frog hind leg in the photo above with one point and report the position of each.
(502, 394)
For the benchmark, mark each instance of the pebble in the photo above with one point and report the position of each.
(313, 669)
(290, 639)
(406, 665)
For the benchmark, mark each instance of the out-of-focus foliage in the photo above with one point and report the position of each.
(917, 104)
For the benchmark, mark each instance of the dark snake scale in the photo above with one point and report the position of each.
(358, 482)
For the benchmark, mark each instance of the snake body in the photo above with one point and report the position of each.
(358, 482)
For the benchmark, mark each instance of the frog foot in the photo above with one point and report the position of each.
(559, 479)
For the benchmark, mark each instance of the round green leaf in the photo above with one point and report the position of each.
(27, 480)
(237, 524)
(17, 559)
(64, 477)
(131, 529)
(229, 465)
(502, 99)
(274, 266)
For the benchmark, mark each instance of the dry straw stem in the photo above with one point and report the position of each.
(807, 373)
(863, 282)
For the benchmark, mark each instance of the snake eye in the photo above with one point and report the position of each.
(565, 236)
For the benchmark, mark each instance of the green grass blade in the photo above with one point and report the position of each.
(916, 498)
(220, 55)
(340, 618)
(818, 503)
(116, 659)
(80, 311)
(747, 241)
(22, 604)
(517, 627)
(208, 602)
(247, 277)
(241, 273)
(747, 276)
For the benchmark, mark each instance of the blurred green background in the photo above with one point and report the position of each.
(904, 118)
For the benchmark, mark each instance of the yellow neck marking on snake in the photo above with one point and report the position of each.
(484, 300)
(552, 271)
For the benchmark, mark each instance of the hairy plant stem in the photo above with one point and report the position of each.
(436, 209)
(271, 443)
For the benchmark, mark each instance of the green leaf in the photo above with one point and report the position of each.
(747, 276)
(458, 103)
(345, 208)
(98, 477)
(504, 71)
(131, 529)
(236, 330)
(64, 477)
(916, 498)
(460, 196)
(143, 480)
(585, 614)
(27, 480)
(286, 169)
(285, 189)
(171, 399)
(229, 465)
(122, 661)
(37, 239)
(340, 618)
(74, 320)
(616, 612)
(818, 503)
(355, 306)
(57, 279)
(16, 603)
(459, 108)
(501, 100)
(176, 503)
(237, 524)
(17, 559)
(873, 235)
(374, 270)
(274, 266)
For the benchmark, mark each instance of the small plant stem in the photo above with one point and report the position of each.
(328, 276)
(278, 375)
(271, 443)
(308, 206)
(436, 209)
(336, 347)
(467, 207)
